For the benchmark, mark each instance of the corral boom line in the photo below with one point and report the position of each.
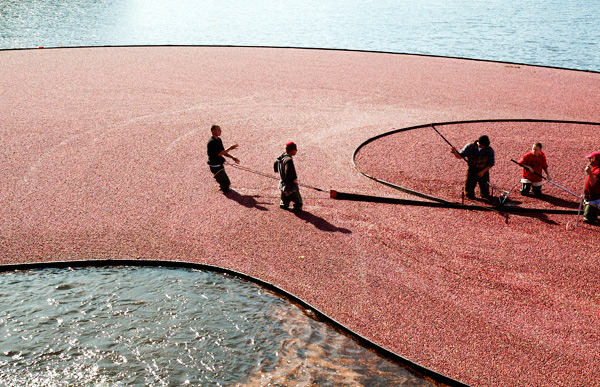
(448, 205)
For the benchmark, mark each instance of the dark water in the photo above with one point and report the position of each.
(551, 32)
(125, 326)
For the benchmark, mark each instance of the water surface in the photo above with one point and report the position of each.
(551, 33)
(123, 326)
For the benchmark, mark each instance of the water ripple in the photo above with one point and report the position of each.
(123, 326)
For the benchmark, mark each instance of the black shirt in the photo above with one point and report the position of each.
(214, 147)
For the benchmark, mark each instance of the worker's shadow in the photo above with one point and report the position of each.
(320, 223)
(248, 201)
(559, 202)
(541, 217)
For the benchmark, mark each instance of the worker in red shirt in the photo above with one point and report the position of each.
(534, 163)
(592, 188)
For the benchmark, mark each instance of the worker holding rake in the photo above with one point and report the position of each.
(480, 158)
(592, 188)
(533, 164)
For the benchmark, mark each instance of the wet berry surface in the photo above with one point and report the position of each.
(104, 156)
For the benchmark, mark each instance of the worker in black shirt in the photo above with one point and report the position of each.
(216, 157)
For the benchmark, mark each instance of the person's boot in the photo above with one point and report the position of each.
(485, 193)
(537, 191)
(590, 214)
(525, 188)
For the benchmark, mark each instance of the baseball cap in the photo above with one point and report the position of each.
(593, 154)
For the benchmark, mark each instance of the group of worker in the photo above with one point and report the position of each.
(478, 154)
(480, 158)
(284, 165)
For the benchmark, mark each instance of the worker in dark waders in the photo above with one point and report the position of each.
(216, 157)
(288, 183)
(480, 159)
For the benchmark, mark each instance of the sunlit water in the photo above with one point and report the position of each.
(551, 32)
(125, 326)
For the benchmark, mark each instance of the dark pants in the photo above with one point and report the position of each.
(287, 197)
(590, 212)
(473, 179)
(221, 177)
(537, 189)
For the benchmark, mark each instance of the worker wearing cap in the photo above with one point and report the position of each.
(592, 188)
(288, 183)
(480, 159)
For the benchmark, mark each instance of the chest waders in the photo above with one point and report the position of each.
(220, 176)
(287, 196)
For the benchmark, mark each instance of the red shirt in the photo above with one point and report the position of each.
(593, 191)
(538, 163)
